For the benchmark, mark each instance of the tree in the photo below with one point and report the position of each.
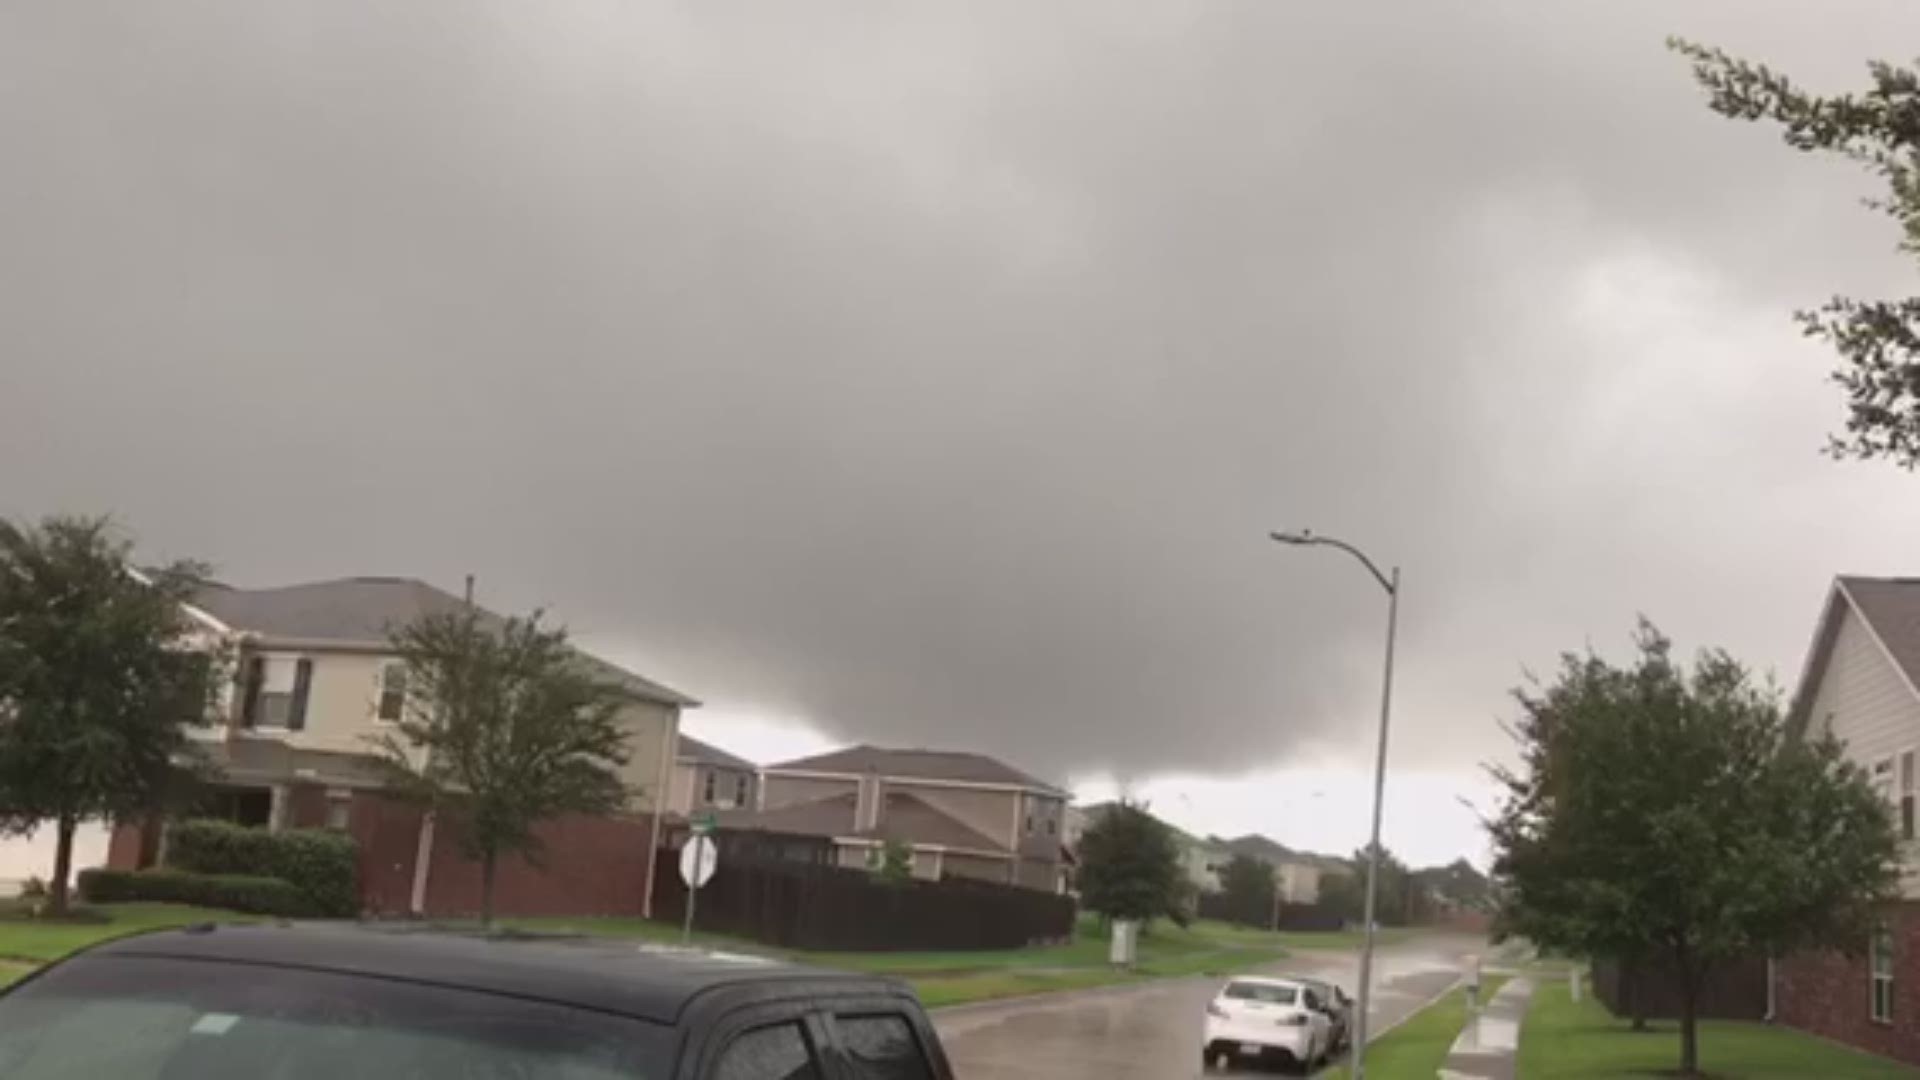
(99, 682)
(1878, 340)
(1458, 884)
(1399, 896)
(1130, 865)
(892, 862)
(1661, 812)
(1343, 892)
(1247, 885)
(507, 727)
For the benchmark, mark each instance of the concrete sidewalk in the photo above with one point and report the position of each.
(1489, 1043)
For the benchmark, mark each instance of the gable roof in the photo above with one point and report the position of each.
(1889, 608)
(831, 816)
(692, 749)
(910, 819)
(362, 612)
(1259, 847)
(1267, 849)
(958, 766)
(904, 817)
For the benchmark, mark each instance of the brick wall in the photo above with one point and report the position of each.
(591, 866)
(1828, 994)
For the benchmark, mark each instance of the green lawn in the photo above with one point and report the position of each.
(1417, 1048)
(1561, 1040)
(28, 939)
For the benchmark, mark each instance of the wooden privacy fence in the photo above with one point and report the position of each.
(809, 906)
(1297, 917)
(1733, 991)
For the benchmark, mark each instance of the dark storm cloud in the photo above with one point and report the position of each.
(936, 377)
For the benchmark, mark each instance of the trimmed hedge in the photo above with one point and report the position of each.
(321, 864)
(236, 892)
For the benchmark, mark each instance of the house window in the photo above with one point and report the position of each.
(1880, 777)
(277, 692)
(739, 789)
(1052, 826)
(1880, 961)
(707, 796)
(339, 809)
(1029, 824)
(393, 693)
(1906, 795)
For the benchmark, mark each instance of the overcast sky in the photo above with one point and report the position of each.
(932, 375)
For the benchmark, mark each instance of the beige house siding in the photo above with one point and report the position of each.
(1298, 883)
(1045, 814)
(690, 788)
(343, 701)
(990, 813)
(1042, 874)
(1199, 861)
(1865, 702)
(792, 790)
(680, 792)
(977, 867)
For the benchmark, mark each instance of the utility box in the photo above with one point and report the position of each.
(1125, 945)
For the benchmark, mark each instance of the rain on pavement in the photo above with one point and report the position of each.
(1152, 1030)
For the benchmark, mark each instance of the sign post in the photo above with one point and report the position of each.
(698, 860)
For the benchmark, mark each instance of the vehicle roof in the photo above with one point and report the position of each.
(651, 982)
(1267, 980)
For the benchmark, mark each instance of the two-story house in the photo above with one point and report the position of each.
(959, 814)
(1296, 874)
(316, 681)
(1861, 682)
(708, 779)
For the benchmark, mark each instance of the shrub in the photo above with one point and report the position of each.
(320, 863)
(236, 892)
(34, 888)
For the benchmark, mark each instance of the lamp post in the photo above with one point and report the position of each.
(1389, 581)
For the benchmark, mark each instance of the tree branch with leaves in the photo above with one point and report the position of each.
(1879, 129)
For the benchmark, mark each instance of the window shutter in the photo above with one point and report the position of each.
(302, 682)
(250, 699)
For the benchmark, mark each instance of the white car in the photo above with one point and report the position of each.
(1261, 1019)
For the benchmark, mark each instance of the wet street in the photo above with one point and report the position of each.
(1153, 1030)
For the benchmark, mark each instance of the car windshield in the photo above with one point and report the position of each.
(1271, 993)
(146, 1018)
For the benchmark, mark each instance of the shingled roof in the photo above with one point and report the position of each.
(953, 765)
(692, 749)
(362, 612)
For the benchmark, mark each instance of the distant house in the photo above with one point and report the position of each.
(707, 778)
(316, 679)
(1861, 683)
(1200, 859)
(959, 814)
(1297, 874)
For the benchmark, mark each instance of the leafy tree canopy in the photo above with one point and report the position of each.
(1130, 866)
(100, 680)
(1248, 887)
(1666, 811)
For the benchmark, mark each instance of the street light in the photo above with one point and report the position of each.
(1391, 583)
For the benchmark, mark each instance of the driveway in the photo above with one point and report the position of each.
(1152, 1030)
